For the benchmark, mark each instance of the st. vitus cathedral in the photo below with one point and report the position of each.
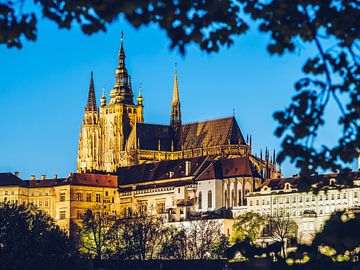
(114, 135)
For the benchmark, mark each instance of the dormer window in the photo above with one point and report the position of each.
(287, 186)
(332, 181)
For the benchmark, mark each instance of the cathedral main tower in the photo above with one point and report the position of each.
(105, 130)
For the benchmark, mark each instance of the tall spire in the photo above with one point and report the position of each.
(91, 104)
(122, 91)
(175, 121)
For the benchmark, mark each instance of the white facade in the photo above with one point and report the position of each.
(308, 210)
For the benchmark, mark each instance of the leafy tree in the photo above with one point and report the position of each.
(337, 242)
(175, 244)
(218, 249)
(201, 235)
(248, 226)
(139, 236)
(207, 23)
(282, 228)
(29, 239)
(94, 237)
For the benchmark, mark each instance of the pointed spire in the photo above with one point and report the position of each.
(91, 104)
(122, 91)
(175, 121)
(121, 55)
(176, 88)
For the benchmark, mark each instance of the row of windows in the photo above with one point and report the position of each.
(324, 197)
(210, 204)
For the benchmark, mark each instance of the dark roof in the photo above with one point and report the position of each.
(210, 133)
(92, 179)
(9, 179)
(150, 172)
(195, 135)
(45, 182)
(320, 180)
(226, 168)
(149, 135)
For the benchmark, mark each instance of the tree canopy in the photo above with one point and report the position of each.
(29, 239)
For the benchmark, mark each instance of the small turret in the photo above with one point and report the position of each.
(103, 98)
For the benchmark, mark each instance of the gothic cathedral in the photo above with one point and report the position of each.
(114, 135)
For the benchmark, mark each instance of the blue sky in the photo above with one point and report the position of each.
(44, 89)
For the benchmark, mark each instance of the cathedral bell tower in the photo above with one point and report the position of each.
(175, 121)
(122, 91)
(89, 144)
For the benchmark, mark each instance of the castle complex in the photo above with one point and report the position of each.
(115, 135)
(180, 171)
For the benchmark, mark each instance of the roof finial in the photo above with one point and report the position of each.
(103, 98)
(140, 90)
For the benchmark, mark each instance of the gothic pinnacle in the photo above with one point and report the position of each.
(91, 104)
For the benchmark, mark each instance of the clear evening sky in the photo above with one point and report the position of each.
(44, 86)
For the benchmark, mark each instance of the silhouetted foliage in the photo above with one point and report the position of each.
(94, 232)
(29, 239)
(139, 236)
(282, 228)
(248, 226)
(175, 244)
(219, 248)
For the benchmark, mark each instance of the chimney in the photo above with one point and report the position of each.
(33, 177)
(17, 174)
(55, 176)
(43, 177)
(187, 167)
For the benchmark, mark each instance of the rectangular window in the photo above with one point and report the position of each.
(62, 197)
(79, 215)
(106, 193)
(333, 196)
(88, 197)
(320, 198)
(160, 207)
(344, 196)
(40, 203)
(338, 196)
(300, 199)
(46, 203)
(294, 199)
(79, 197)
(62, 214)
(355, 195)
(98, 198)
